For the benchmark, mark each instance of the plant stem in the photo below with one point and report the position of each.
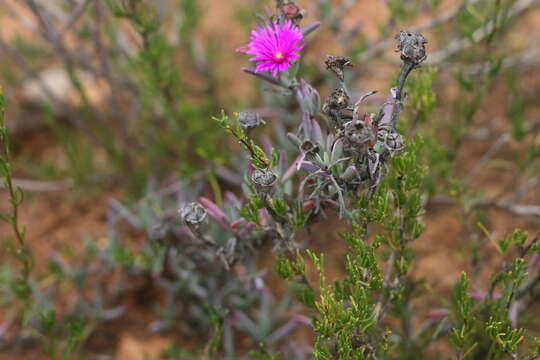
(15, 196)
(406, 69)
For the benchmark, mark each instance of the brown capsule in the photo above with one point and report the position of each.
(264, 180)
(393, 142)
(250, 120)
(193, 213)
(412, 46)
(338, 99)
(309, 147)
(337, 64)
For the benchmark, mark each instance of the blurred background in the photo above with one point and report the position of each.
(109, 109)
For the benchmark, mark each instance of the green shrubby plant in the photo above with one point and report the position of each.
(202, 236)
(60, 337)
(134, 50)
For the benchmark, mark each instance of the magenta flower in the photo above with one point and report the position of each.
(275, 46)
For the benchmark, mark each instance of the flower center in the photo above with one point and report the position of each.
(279, 55)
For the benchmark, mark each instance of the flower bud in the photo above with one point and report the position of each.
(215, 212)
(291, 11)
(330, 203)
(264, 217)
(310, 98)
(349, 173)
(294, 139)
(238, 223)
(308, 205)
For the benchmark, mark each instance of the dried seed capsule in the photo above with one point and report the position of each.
(359, 136)
(193, 214)
(264, 181)
(338, 99)
(310, 149)
(411, 46)
(393, 142)
(337, 64)
(250, 120)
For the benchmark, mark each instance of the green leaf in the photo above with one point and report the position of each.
(303, 294)
(47, 320)
(21, 288)
(283, 267)
(4, 168)
(275, 158)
